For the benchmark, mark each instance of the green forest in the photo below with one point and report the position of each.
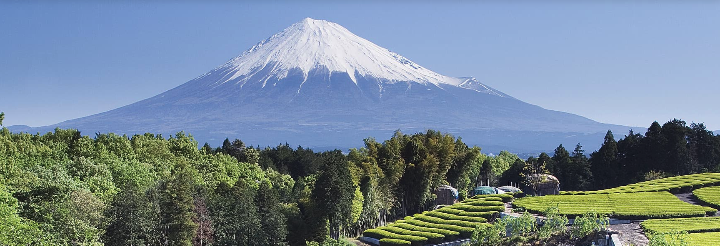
(63, 188)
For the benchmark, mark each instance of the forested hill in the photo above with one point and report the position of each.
(64, 188)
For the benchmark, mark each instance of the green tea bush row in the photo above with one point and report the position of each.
(432, 237)
(450, 210)
(464, 231)
(470, 208)
(709, 195)
(455, 217)
(449, 234)
(437, 220)
(484, 203)
(505, 197)
(641, 205)
(486, 215)
(704, 239)
(700, 224)
(393, 242)
(380, 234)
(488, 198)
(678, 184)
(447, 223)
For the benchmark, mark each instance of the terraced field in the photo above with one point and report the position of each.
(710, 195)
(441, 225)
(704, 231)
(700, 224)
(641, 205)
(678, 184)
(704, 239)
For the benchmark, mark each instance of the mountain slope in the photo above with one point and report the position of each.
(317, 84)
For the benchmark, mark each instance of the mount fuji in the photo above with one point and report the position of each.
(319, 85)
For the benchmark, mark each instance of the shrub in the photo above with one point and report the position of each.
(588, 223)
(330, 242)
(521, 226)
(393, 242)
(554, 224)
(490, 236)
(674, 238)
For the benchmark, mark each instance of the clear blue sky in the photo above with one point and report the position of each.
(611, 61)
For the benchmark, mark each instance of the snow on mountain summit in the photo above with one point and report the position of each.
(311, 44)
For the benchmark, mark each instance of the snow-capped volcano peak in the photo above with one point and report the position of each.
(311, 44)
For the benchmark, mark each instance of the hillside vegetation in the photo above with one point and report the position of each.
(63, 188)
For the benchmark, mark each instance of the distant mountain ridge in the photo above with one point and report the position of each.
(317, 84)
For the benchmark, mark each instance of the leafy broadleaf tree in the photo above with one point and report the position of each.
(177, 205)
(334, 191)
(272, 221)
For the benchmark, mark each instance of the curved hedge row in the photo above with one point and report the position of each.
(641, 205)
(449, 235)
(709, 195)
(484, 203)
(445, 224)
(432, 237)
(701, 224)
(489, 198)
(450, 210)
(393, 242)
(486, 215)
(704, 239)
(677, 184)
(381, 234)
(470, 208)
(448, 216)
(463, 230)
(505, 197)
(437, 220)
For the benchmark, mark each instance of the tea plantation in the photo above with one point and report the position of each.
(709, 195)
(442, 225)
(652, 201)
(640, 205)
(677, 184)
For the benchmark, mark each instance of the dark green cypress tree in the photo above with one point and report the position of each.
(604, 163)
(678, 155)
(653, 155)
(629, 158)
(562, 166)
(580, 175)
